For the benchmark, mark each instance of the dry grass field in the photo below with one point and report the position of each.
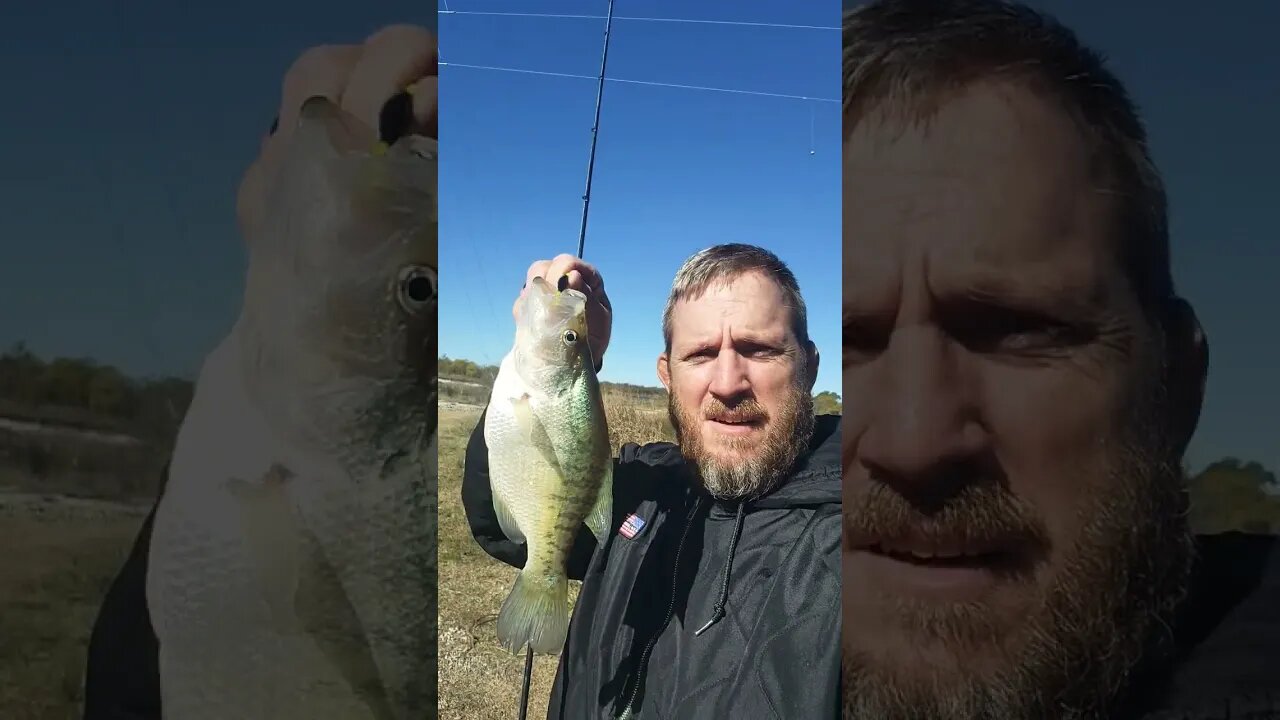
(478, 679)
(59, 556)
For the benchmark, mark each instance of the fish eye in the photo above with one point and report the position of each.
(417, 289)
(570, 337)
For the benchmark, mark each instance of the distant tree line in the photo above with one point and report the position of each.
(81, 392)
(466, 370)
(825, 403)
(1234, 495)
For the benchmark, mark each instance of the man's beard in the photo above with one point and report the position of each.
(1104, 620)
(754, 466)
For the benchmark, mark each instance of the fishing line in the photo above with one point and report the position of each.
(652, 83)
(811, 138)
(446, 11)
(691, 21)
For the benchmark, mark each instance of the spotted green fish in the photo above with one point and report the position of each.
(292, 563)
(550, 464)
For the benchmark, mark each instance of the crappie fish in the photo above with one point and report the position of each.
(292, 563)
(550, 463)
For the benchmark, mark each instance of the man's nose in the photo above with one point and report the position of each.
(922, 424)
(729, 375)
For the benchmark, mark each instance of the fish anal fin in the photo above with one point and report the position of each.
(507, 521)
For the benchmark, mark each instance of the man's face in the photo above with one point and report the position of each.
(1011, 521)
(739, 385)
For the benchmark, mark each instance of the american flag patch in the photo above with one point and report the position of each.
(631, 526)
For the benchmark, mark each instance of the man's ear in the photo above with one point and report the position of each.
(664, 371)
(1188, 349)
(811, 365)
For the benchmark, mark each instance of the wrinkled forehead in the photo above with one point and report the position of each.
(998, 181)
(749, 305)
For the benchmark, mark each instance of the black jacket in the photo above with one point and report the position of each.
(760, 582)
(1227, 665)
(122, 680)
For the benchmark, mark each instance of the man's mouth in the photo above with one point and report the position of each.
(940, 553)
(737, 423)
(950, 567)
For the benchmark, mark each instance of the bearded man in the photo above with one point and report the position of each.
(1022, 382)
(717, 593)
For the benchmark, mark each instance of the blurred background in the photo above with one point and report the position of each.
(126, 129)
(1211, 100)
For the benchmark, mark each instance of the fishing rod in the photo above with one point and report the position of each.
(595, 132)
(582, 241)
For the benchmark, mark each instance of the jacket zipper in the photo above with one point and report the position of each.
(671, 610)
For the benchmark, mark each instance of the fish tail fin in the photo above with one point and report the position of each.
(536, 613)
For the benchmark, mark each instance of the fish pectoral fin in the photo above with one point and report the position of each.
(600, 519)
(507, 521)
(270, 534)
(534, 432)
(326, 613)
(522, 409)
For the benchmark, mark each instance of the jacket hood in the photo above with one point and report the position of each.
(814, 482)
(816, 478)
(1228, 633)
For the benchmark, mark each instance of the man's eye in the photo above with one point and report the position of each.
(1014, 332)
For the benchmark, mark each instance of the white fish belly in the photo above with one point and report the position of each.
(221, 653)
(358, 637)
(519, 475)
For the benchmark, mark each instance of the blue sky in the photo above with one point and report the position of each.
(676, 170)
(127, 127)
(1205, 77)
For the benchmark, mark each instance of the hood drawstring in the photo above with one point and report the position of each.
(718, 613)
